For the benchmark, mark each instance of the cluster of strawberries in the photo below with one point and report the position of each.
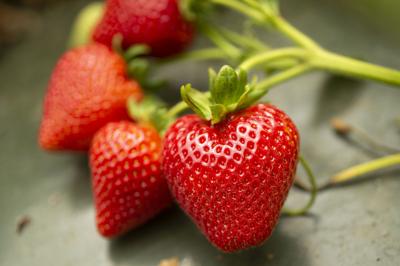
(231, 178)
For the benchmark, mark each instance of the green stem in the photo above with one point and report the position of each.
(313, 191)
(365, 168)
(354, 68)
(197, 55)
(242, 8)
(244, 40)
(293, 33)
(268, 56)
(177, 109)
(219, 40)
(263, 87)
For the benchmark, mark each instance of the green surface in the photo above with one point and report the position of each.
(351, 225)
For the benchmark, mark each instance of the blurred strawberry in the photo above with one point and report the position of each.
(156, 23)
(127, 180)
(88, 88)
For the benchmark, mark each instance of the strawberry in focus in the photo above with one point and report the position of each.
(127, 181)
(233, 177)
(88, 88)
(156, 23)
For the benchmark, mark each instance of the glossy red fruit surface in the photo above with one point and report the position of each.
(88, 88)
(232, 178)
(128, 185)
(156, 23)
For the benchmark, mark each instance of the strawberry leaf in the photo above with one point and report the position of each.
(228, 86)
(197, 101)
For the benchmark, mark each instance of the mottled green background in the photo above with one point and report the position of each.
(350, 225)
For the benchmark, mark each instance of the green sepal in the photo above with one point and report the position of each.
(218, 112)
(197, 101)
(150, 110)
(85, 23)
(141, 111)
(211, 77)
(135, 51)
(138, 69)
(228, 86)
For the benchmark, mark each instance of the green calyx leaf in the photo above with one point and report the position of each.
(227, 86)
(135, 51)
(150, 110)
(229, 92)
(197, 101)
(139, 66)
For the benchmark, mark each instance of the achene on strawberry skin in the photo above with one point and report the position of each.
(233, 177)
(128, 184)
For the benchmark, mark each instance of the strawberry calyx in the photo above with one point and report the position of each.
(138, 64)
(228, 93)
(151, 110)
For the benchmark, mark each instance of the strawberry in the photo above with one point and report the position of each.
(88, 88)
(230, 166)
(127, 181)
(232, 178)
(156, 23)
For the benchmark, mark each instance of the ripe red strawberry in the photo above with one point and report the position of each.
(156, 23)
(88, 88)
(128, 185)
(233, 177)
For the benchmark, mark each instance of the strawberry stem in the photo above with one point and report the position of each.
(313, 191)
(345, 130)
(177, 109)
(264, 86)
(354, 172)
(219, 40)
(267, 15)
(270, 56)
(196, 55)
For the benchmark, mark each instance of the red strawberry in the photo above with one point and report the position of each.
(233, 177)
(88, 89)
(128, 186)
(156, 23)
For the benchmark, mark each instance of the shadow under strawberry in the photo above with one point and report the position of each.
(167, 236)
(78, 191)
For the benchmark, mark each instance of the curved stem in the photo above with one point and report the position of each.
(365, 168)
(354, 68)
(177, 109)
(240, 7)
(264, 86)
(294, 34)
(219, 40)
(313, 191)
(244, 40)
(268, 56)
(197, 55)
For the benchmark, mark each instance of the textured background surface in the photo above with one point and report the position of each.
(351, 225)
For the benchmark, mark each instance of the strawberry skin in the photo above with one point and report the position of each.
(232, 178)
(88, 88)
(127, 180)
(156, 23)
